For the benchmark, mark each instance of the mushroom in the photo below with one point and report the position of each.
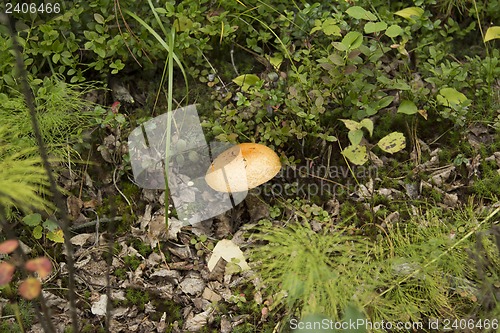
(242, 167)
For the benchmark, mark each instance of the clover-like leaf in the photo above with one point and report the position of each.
(50, 225)
(37, 232)
(56, 236)
(32, 219)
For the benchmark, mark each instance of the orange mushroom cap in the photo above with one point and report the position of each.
(243, 167)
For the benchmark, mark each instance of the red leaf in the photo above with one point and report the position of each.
(8, 246)
(6, 272)
(41, 265)
(30, 288)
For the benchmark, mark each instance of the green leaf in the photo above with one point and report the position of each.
(372, 27)
(352, 40)
(50, 225)
(410, 13)
(330, 138)
(246, 80)
(100, 52)
(383, 102)
(32, 219)
(360, 13)
(276, 60)
(356, 154)
(355, 136)
(339, 46)
(451, 97)
(368, 124)
(351, 124)
(492, 33)
(393, 31)
(393, 142)
(330, 27)
(56, 57)
(407, 107)
(99, 18)
(37, 232)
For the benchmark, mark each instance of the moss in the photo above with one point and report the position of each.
(131, 262)
(488, 186)
(137, 297)
(120, 273)
(173, 310)
(144, 249)
(26, 313)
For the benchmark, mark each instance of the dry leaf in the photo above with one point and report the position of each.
(99, 307)
(80, 239)
(227, 250)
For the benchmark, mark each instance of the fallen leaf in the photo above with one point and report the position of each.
(80, 239)
(227, 250)
(99, 307)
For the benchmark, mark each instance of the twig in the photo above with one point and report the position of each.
(58, 198)
(232, 60)
(121, 193)
(94, 222)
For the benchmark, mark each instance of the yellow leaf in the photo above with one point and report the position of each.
(393, 142)
(356, 154)
(410, 13)
(56, 236)
(492, 33)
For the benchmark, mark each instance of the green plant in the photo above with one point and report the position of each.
(26, 315)
(412, 270)
(50, 228)
(61, 113)
(319, 271)
(131, 262)
(137, 298)
(201, 245)
(23, 181)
